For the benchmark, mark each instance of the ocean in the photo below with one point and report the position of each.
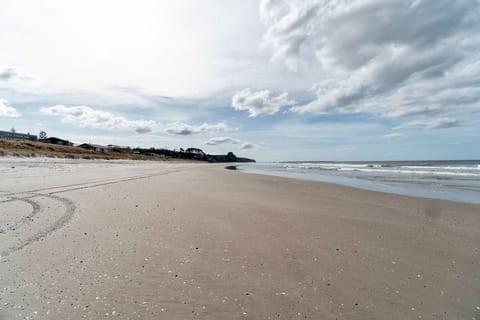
(449, 180)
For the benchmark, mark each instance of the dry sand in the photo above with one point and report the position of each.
(142, 240)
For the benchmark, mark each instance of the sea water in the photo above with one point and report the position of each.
(448, 180)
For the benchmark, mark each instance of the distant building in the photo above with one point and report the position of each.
(9, 135)
(121, 149)
(94, 147)
(58, 141)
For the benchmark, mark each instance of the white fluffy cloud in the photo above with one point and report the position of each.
(7, 111)
(393, 58)
(86, 117)
(186, 129)
(260, 102)
(442, 123)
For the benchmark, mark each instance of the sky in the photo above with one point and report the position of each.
(272, 79)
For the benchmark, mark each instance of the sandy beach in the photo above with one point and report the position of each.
(89, 239)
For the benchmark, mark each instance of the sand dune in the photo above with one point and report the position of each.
(155, 240)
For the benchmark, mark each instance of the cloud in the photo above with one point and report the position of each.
(442, 123)
(18, 81)
(259, 102)
(289, 28)
(143, 129)
(228, 140)
(246, 146)
(7, 111)
(14, 73)
(7, 74)
(395, 135)
(185, 129)
(392, 58)
(222, 140)
(86, 117)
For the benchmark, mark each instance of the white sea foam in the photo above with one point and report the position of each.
(414, 172)
(390, 168)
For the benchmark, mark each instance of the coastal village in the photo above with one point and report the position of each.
(187, 153)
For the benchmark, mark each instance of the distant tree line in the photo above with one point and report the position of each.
(191, 154)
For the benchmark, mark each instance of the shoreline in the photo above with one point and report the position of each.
(411, 187)
(425, 198)
(179, 241)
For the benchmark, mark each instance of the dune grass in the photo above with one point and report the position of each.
(40, 149)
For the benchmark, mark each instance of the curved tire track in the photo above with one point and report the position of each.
(69, 211)
(69, 207)
(27, 219)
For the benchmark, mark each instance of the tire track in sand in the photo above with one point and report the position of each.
(26, 219)
(13, 240)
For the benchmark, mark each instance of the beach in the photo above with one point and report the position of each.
(91, 239)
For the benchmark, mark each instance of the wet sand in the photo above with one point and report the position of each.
(140, 240)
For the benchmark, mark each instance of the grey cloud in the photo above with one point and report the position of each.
(228, 140)
(185, 129)
(7, 73)
(180, 131)
(246, 146)
(11, 73)
(375, 53)
(443, 123)
(368, 28)
(455, 95)
(222, 140)
(143, 129)
(259, 102)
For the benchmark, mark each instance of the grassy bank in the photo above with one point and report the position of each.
(39, 149)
